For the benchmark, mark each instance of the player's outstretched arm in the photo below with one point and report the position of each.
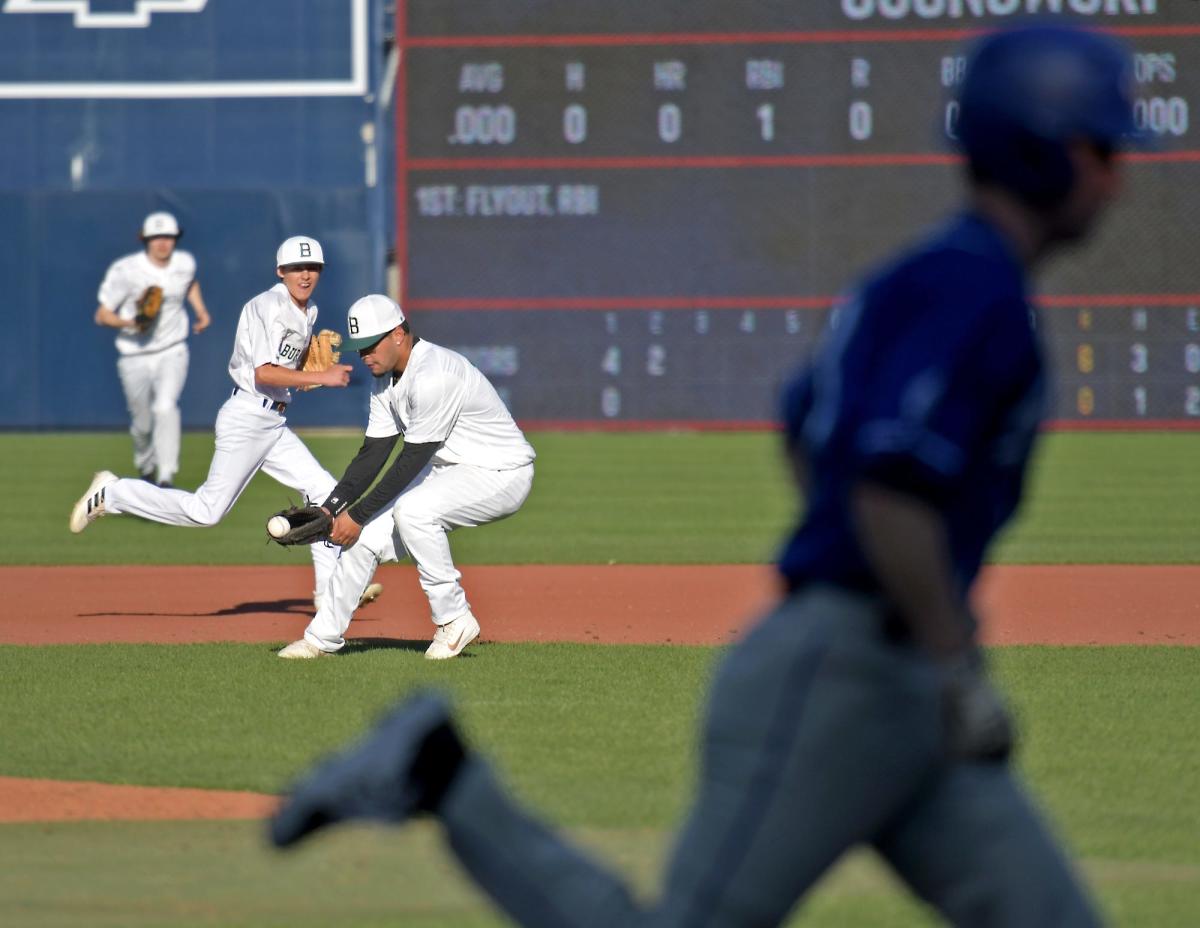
(409, 462)
(272, 375)
(109, 319)
(360, 472)
(196, 299)
(367, 463)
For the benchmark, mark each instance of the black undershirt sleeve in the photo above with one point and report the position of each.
(409, 462)
(360, 472)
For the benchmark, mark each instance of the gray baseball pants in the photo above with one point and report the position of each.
(820, 735)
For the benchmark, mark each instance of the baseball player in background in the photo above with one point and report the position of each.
(152, 352)
(858, 711)
(464, 463)
(273, 334)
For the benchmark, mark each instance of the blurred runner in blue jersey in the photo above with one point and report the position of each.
(858, 712)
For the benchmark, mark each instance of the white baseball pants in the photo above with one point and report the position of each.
(152, 385)
(441, 498)
(249, 438)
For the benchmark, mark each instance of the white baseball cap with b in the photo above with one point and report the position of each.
(299, 249)
(369, 319)
(160, 224)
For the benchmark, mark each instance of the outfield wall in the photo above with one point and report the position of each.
(639, 228)
(250, 122)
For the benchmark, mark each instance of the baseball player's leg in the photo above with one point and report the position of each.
(817, 731)
(292, 464)
(351, 575)
(137, 381)
(478, 496)
(531, 872)
(816, 734)
(172, 368)
(975, 848)
(449, 497)
(244, 438)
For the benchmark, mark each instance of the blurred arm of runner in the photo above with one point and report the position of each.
(904, 539)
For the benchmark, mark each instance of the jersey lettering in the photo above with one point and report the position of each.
(288, 352)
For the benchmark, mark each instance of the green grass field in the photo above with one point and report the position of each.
(600, 738)
(686, 498)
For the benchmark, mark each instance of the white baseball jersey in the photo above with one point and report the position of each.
(271, 330)
(442, 397)
(127, 279)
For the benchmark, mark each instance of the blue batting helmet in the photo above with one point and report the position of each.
(1031, 91)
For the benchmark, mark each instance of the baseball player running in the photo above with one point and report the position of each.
(152, 349)
(273, 333)
(858, 710)
(464, 463)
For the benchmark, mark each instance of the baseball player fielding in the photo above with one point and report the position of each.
(464, 462)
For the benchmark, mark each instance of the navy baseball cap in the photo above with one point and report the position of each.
(1032, 90)
(1053, 81)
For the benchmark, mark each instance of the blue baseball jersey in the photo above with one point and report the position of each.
(930, 381)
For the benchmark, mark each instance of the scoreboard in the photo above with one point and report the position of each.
(642, 212)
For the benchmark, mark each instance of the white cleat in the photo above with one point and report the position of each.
(302, 650)
(452, 637)
(370, 594)
(91, 505)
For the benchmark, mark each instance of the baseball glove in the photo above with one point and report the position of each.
(322, 353)
(306, 525)
(149, 305)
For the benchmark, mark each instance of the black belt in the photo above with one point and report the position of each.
(274, 406)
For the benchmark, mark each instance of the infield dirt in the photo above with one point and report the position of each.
(703, 605)
(618, 604)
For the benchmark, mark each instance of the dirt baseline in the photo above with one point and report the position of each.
(1079, 605)
(712, 604)
(25, 800)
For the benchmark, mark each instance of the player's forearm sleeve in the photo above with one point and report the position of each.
(360, 472)
(412, 458)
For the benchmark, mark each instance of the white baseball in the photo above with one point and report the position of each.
(278, 526)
